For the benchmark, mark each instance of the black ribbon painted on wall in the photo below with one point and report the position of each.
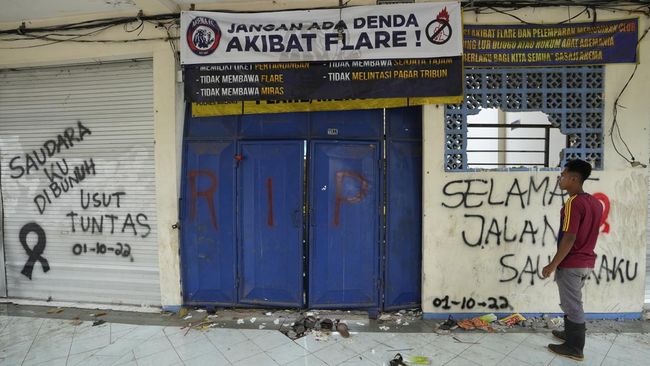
(34, 254)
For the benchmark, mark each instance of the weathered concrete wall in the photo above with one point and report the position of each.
(490, 245)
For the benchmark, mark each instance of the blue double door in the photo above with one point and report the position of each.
(302, 223)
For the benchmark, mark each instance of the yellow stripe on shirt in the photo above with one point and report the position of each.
(567, 213)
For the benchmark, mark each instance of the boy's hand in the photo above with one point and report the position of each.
(548, 270)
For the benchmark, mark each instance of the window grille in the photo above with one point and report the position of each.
(572, 97)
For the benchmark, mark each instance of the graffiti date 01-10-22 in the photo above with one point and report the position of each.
(120, 249)
(469, 303)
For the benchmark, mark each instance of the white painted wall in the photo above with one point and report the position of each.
(453, 268)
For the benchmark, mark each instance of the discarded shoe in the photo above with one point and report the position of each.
(326, 324)
(342, 328)
(449, 324)
(310, 322)
(397, 361)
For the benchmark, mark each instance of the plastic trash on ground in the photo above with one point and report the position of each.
(512, 319)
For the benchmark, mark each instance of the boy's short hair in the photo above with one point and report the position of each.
(580, 167)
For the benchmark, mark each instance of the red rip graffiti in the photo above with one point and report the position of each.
(208, 194)
(604, 200)
(340, 199)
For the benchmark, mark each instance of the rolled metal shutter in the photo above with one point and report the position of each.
(78, 185)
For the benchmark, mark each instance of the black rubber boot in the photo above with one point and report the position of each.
(575, 342)
(560, 334)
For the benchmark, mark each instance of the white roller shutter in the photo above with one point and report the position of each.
(77, 153)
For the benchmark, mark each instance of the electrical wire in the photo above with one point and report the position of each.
(615, 124)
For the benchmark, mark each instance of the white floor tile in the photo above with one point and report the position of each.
(309, 360)
(499, 343)
(482, 356)
(260, 359)
(287, 353)
(164, 358)
(271, 340)
(152, 346)
(628, 354)
(194, 349)
(334, 354)
(240, 351)
(535, 355)
(211, 358)
(224, 338)
(459, 361)
(314, 342)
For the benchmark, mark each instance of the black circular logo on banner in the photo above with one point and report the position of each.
(438, 31)
(203, 36)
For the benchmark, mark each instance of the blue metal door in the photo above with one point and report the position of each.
(207, 225)
(403, 251)
(271, 223)
(344, 245)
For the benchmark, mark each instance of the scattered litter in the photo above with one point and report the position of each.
(200, 310)
(187, 317)
(459, 341)
(512, 319)
(402, 311)
(557, 322)
(213, 316)
(55, 310)
(362, 324)
(182, 312)
(419, 360)
(310, 313)
(98, 322)
(276, 321)
(384, 328)
(253, 319)
(262, 326)
(166, 313)
(399, 321)
(475, 323)
(240, 321)
(406, 323)
(269, 313)
(76, 322)
(385, 317)
(488, 318)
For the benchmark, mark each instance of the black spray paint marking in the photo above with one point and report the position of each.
(469, 303)
(34, 254)
(24, 164)
(57, 188)
(500, 231)
(532, 269)
(474, 193)
(120, 249)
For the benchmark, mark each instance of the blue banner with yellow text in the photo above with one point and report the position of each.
(593, 43)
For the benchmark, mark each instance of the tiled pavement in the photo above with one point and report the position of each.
(37, 341)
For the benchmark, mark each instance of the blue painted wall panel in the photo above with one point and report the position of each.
(271, 226)
(404, 225)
